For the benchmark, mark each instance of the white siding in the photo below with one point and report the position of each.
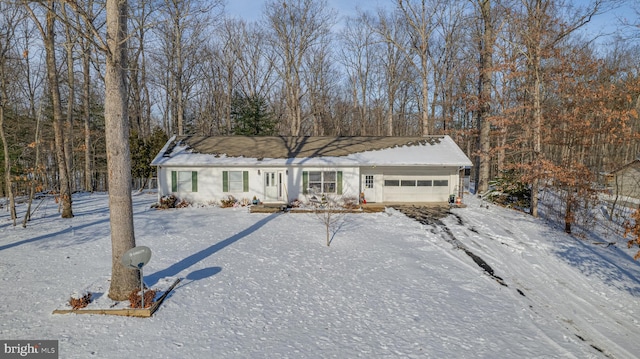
(350, 182)
(210, 187)
(405, 175)
(209, 184)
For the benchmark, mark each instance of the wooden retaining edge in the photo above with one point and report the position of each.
(128, 312)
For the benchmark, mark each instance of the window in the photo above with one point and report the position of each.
(368, 181)
(440, 183)
(235, 181)
(408, 183)
(315, 182)
(424, 183)
(392, 183)
(328, 182)
(184, 181)
(322, 182)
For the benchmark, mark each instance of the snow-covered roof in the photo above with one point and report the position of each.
(310, 151)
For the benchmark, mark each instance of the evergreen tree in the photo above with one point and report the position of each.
(251, 116)
(143, 151)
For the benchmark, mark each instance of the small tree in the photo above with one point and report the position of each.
(330, 211)
(632, 231)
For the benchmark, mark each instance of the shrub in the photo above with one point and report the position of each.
(230, 201)
(509, 191)
(182, 204)
(135, 299)
(79, 303)
(633, 231)
(350, 203)
(167, 202)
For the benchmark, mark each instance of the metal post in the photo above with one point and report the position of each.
(142, 287)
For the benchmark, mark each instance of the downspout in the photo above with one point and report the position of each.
(158, 172)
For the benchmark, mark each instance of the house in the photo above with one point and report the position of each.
(282, 169)
(625, 181)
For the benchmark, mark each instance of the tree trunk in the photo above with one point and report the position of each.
(484, 99)
(32, 184)
(568, 213)
(7, 163)
(123, 280)
(68, 143)
(537, 134)
(426, 125)
(52, 77)
(86, 113)
(4, 55)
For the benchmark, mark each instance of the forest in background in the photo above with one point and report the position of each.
(534, 101)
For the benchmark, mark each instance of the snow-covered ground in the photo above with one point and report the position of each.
(267, 286)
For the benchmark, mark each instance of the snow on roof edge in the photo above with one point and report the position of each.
(402, 156)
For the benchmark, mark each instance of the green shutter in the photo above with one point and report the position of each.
(245, 181)
(339, 184)
(194, 181)
(225, 181)
(174, 181)
(305, 182)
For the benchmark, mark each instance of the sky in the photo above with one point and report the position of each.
(601, 24)
(267, 285)
(252, 9)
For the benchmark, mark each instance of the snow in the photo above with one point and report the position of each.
(444, 153)
(267, 286)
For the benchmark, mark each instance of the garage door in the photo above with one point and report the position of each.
(415, 189)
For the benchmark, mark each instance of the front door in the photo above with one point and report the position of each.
(369, 188)
(273, 186)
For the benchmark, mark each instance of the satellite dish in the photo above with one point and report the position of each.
(136, 257)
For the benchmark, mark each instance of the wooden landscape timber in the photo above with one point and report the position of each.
(128, 312)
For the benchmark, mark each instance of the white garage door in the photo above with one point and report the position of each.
(415, 189)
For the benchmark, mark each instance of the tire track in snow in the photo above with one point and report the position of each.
(433, 219)
(579, 327)
(587, 314)
(428, 216)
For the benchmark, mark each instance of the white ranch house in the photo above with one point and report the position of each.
(278, 170)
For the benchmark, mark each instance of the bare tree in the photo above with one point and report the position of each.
(140, 103)
(123, 280)
(394, 61)
(540, 32)
(256, 62)
(210, 98)
(298, 26)
(71, 41)
(329, 209)
(419, 16)
(228, 50)
(358, 54)
(30, 85)
(87, 50)
(115, 48)
(486, 40)
(320, 80)
(48, 35)
(181, 31)
(11, 15)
